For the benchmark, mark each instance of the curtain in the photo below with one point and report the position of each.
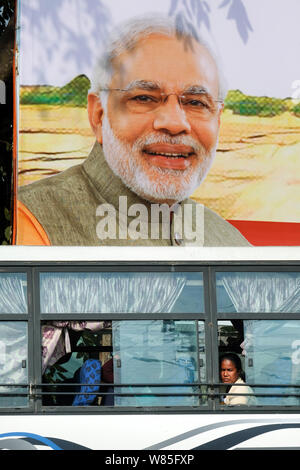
(110, 292)
(56, 339)
(263, 292)
(100, 293)
(12, 295)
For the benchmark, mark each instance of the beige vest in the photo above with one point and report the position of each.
(72, 207)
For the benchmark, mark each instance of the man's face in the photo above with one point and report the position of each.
(161, 151)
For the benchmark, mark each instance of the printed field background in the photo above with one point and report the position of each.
(255, 176)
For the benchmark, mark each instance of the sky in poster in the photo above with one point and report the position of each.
(58, 39)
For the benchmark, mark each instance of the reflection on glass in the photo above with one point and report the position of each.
(13, 362)
(273, 350)
(144, 352)
(13, 293)
(258, 292)
(148, 292)
(270, 353)
(160, 352)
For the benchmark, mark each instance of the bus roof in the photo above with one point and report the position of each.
(147, 254)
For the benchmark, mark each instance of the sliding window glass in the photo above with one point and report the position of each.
(269, 352)
(159, 352)
(13, 340)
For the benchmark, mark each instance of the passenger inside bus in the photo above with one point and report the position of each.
(231, 373)
(77, 353)
(114, 353)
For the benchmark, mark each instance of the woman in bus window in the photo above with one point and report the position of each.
(231, 373)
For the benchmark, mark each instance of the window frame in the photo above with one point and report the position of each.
(273, 268)
(118, 267)
(27, 318)
(34, 317)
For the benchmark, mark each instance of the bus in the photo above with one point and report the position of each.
(113, 349)
(160, 350)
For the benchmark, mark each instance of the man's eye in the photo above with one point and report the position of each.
(196, 104)
(144, 99)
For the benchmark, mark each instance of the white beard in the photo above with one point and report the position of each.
(153, 183)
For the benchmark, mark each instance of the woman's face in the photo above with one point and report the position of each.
(229, 372)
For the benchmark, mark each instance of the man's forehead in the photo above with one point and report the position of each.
(163, 60)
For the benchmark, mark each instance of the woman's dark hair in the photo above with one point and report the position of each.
(236, 361)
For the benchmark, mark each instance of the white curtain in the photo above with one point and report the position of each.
(263, 292)
(12, 295)
(110, 293)
(56, 339)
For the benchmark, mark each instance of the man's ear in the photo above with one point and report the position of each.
(95, 113)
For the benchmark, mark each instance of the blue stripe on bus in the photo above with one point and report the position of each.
(41, 439)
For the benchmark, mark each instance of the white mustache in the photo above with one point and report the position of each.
(168, 139)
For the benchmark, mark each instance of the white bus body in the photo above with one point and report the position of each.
(165, 430)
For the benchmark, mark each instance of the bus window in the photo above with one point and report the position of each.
(13, 340)
(145, 355)
(142, 363)
(121, 292)
(161, 352)
(269, 352)
(66, 347)
(13, 363)
(258, 292)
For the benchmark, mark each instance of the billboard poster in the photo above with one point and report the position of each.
(162, 123)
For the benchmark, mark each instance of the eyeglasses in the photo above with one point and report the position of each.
(198, 104)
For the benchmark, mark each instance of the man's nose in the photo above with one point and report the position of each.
(171, 118)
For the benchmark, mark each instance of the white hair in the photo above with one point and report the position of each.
(125, 37)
